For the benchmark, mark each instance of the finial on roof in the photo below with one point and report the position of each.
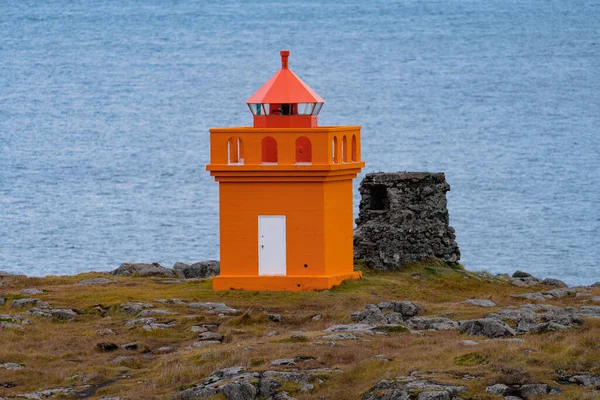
(284, 58)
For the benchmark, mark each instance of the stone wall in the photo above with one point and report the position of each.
(403, 217)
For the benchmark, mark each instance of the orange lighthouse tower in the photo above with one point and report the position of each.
(285, 192)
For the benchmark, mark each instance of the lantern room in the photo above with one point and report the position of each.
(285, 192)
(285, 101)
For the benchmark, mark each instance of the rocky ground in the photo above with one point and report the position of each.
(427, 332)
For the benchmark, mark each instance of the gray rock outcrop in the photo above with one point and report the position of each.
(201, 270)
(489, 327)
(139, 269)
(403, 217)
(410, 387)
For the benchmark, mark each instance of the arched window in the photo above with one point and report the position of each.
(269, 150)
(234, 151)
(303, 150)
(344, 149)
(334, 151)
(354, 148)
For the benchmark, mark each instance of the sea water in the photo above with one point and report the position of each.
(105, 108)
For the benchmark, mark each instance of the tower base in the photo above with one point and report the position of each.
(282, 283)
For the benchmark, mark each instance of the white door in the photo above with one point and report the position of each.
(271, 245)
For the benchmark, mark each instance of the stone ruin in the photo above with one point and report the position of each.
(403, 217)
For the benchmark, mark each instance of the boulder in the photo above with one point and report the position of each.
(133, 307)
(153, 312)
(432, 323)
(585, 380)
(138, 269)
(27, 302)
(406, 308)
(411, 387)
(210, 336)
(214, 308)
(524, 281)
(489, 327)
(372, 315)
(521, 274)
(498, 388)
(158, 325)
(202, 269)
(554, 282)
(560, 293)
(268, 387)
(282, 396)
(479, 302)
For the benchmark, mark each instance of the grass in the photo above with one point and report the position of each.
(58, 353)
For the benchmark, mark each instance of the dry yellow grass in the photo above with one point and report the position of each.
(59, 353)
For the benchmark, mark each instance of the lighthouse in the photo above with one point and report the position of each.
(285, 192)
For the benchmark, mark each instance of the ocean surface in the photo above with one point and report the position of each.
(105, 108)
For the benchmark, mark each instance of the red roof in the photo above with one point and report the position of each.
(285, 87)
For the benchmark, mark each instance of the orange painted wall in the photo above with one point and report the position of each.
(301, 203)
(339, 250)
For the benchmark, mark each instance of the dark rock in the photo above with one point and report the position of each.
(130, 346)
(138, 269)
(202, 270)
(489, 327)
(275, 318)
(106, 347)
(521, 274)
(403, 217)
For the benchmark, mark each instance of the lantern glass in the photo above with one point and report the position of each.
(256, 109)
(305, 108)
(318, 107)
